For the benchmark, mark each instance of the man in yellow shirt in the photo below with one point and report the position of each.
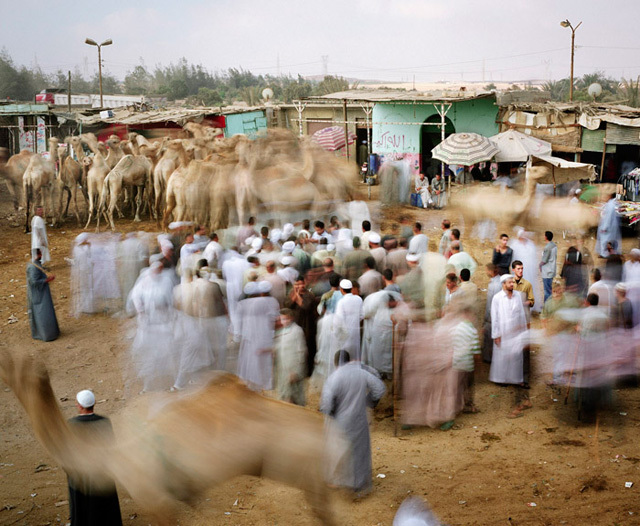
(523, 286)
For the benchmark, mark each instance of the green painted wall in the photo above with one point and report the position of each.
(249, 123)
(477, 116)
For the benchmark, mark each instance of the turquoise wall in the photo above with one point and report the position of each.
(477, 116)
(249, 124)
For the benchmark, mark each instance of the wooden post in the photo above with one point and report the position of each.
(346, 126)
(604, 153)
(69, 94)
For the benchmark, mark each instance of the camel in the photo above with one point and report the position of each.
(38, 178)
(115, 151)
(174, 156)
(95, 171)
(132, 171)
(71, 176)
(12, 173)
(202, 439)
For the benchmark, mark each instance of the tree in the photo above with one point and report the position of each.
(331, 84)
(206, 97)
(489, 87)
(558, 89)
(138, 82)
(631, 91)
(298, 89)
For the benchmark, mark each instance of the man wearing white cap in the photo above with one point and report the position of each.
(288, 272)
(347, 320)
(508, 324)
(257, 316)
(278, 285)
(412, 285)
(90, 506)
(377, 252)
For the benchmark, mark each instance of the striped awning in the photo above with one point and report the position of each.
(464, 149)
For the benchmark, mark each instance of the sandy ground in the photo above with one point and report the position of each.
(486, 470)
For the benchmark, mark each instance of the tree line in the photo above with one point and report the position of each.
(176, 81)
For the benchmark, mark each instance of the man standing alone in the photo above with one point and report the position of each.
(42, 316)
(39, 238)
(548, 264)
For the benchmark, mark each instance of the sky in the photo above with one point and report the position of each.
(388, 40)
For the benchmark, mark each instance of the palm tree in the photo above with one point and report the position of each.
(630, 91)
(558, 89)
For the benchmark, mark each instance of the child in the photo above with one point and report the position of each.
(291, 359)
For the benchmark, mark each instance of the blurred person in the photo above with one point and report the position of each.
(213, 252)
(573, 273)
(604, 290)
(290, 359)
(466, 350)
(288, 272)
(623, 309)
(345, 397)
(502, 255)
(523, 286)
(200, 235)
(153, 349)
(278, 285)
(42, 315)
(631, 278)
(412, 285)
(419, 243)
(439, 193)
(233, 270)
(445, 240)
(131, 258)
(89, 506)
(548, 264)
(377, 336)
(353, 264)
(302, 304)
(396, 259)
(244, 232)
(319, 233)
(609, 228)
(558, 300)
(209, 307)
(347, 319)
(371, 280)
(39, 239)
(257, 314)
(508, 323)
(326, 340)
(493, 288)
(414, 512)
(82, 276)
(468, 289)
(460, 260)
(390, 284)
(421, 184)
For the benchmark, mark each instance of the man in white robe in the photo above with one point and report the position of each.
(609, 229)
(525, 250)
(508, 326)
(233, 270)
(422, 189)
(213, 252)
(131, 257)
(419, 243)
(82, 276)
(347, 320)
(377, 336)
(371, 280)
(39, 240)
(211, 311)
(257, 316)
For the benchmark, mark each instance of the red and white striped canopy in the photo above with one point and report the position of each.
(332, 138)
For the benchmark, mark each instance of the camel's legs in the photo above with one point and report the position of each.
(139, 202)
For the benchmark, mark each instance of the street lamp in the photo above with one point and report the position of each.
(107, 42)
(566, 23)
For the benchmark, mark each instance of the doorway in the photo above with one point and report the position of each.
(430, 137)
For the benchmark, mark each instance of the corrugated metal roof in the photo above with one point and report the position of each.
(381, 95)
(24, 109)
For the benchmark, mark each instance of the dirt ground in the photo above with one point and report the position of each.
(545, 468)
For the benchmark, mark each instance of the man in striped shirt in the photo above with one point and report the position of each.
(466, 350)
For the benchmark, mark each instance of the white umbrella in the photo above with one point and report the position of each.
(517, 147)
(464, 149)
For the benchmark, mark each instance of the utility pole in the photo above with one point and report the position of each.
(107, 42)
(69, 94)
(566, 23)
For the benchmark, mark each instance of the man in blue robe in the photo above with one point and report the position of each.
(609, 229)
(42, 316)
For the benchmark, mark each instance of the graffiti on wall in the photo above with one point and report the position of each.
(392, 141)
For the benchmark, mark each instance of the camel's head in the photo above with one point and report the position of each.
(87, 161)
(113, 141)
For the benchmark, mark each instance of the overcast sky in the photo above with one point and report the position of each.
(390, 40)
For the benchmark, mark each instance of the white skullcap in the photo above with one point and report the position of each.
(275, 235)
(86, 398)
(153, 258)
(287, 260)
(578, 191)
(256, 244)
(179, 224)
(374, 238)
(520, 232)
(250, 288)
(82, 238)
(622, 287)
(288, 247)
(346, 284)
(414, 258)
(635, 251)
(331, 247)
(165, 244)
(287, 230)
(505, 277)
(264, 287)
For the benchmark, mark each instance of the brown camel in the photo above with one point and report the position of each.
(37, 180)
(71, 177)
(115, 151)
(134, 171)
(199, 440)
(173, 156)
(95, 171)
(12, 174)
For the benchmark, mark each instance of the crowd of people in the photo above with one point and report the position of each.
(340, 308)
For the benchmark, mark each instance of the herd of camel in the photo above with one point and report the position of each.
(202, 177)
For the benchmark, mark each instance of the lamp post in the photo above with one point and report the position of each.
(107, 42)
(566, 23)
